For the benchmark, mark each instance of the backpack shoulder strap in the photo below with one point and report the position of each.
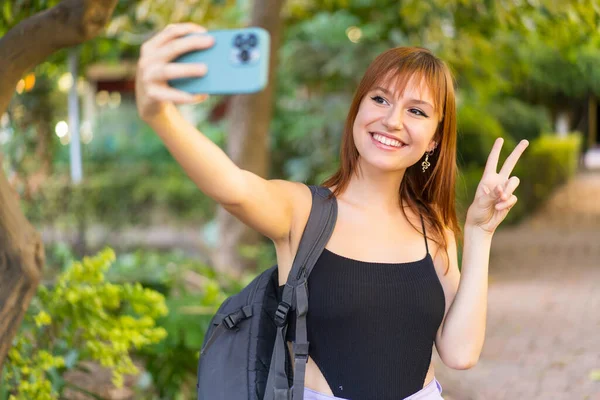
(317, 232)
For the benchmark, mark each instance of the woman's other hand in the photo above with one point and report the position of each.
(494, 196)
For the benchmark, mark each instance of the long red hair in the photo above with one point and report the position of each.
(431, 193)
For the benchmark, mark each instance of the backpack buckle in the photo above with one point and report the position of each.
(230, 322)
(281, 314)
(301, 351)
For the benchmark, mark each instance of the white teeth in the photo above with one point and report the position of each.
(386, 140)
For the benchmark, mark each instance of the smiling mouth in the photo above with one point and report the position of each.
(386, 141)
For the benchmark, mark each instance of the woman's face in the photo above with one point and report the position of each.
(391, 133)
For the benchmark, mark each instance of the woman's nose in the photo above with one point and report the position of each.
(393, 119)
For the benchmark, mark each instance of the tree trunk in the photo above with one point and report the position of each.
(249, 119)
(70, 23)
(21, 262)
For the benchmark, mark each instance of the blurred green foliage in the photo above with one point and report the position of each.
(519, 119)
(192, 292)
(477, 131)
(548, 163)
(80, 317)
(117, 197)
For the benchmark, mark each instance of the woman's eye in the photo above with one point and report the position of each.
(416, 111)
(377, 98)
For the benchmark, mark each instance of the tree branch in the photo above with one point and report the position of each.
(30, 42)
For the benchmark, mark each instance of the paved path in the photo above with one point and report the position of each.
(543, 331)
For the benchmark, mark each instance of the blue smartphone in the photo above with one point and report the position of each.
(238, 63)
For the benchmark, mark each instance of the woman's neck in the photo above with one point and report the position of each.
(375, 190)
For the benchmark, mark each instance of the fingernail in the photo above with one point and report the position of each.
(486, 190)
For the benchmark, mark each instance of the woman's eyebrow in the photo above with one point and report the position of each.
(384, 90)
(417, 101)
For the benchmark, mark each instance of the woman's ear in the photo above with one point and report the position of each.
(432, 146)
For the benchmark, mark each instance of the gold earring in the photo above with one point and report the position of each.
(426, 164)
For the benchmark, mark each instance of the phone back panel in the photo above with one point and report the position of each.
(238, 63)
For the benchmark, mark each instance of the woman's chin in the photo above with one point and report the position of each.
(381, 166)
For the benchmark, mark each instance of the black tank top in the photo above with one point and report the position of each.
(371, 326)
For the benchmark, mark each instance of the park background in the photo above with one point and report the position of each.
(120, 265)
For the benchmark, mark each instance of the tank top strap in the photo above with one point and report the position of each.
(424, 234)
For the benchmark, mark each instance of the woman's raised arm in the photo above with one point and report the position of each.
(264, 205)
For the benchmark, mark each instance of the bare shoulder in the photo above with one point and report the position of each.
(292, 189)
(299, 197)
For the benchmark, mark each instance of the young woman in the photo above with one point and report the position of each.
(387, 287)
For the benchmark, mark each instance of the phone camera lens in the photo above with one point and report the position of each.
(244, 55)
(252, 40)
(238, 41)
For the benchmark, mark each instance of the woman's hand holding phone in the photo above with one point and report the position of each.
(156, 67)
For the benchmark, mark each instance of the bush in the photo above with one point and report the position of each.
(192, 292)
(549, 162)
(81, 317)
(521, 120)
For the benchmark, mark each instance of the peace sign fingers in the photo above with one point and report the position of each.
(494, 197)
(491, 165)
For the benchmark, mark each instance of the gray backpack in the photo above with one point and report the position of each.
(244, 355)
